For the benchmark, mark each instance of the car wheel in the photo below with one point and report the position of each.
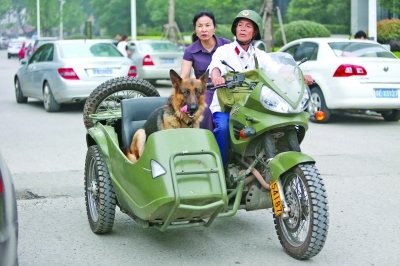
(99, 192)
(108, 96)
(317, 103)
(391, 116)
(8, 55)
(19, 96)
(50, 104)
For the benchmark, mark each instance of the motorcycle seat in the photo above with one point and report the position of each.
(134, 113)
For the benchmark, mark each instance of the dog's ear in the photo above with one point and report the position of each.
(204, 78)
(175, 79)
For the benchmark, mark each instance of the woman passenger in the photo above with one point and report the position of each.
(198, 55)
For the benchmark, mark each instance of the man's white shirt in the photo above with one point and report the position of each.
(240, 60)
(122, 47)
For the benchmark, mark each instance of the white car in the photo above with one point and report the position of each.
(13, 47)
(357, 76)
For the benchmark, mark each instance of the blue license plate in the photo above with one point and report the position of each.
(167, 61)
(102, 72)
(386, 93)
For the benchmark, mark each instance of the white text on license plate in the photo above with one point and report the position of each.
(167, 61)
(386, 93)
(276, 198)
(102, 71)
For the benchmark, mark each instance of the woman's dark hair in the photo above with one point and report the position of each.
(199, 15)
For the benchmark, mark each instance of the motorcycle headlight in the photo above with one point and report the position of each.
(272, 101)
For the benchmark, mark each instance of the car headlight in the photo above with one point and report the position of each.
(272, 101)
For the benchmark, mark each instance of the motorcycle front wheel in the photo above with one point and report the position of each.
(303, 234)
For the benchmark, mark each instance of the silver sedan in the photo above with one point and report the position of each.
(67, 71)
(155, 58)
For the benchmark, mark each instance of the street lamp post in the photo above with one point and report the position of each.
(62, 2)
(133, 19)
(38, 17)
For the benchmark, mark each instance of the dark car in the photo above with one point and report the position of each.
(8, 217)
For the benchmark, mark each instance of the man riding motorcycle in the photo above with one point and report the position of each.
(242, 56)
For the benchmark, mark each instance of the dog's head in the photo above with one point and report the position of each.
(189, 95)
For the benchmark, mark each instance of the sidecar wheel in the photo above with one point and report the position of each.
(317, 103)
(303, 234)
(108, 96)
(99, 192)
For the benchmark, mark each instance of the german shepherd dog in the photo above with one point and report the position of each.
(183, 109)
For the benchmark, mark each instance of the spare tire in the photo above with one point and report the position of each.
(108, 96)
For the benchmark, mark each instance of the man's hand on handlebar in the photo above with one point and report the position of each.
(218, 81)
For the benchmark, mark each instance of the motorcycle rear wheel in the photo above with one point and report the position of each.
(108, 96)
(303, 234)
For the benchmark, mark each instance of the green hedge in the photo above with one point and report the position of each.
(388, 31)
(301, 29)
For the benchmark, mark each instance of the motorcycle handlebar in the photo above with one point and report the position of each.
(210, 86)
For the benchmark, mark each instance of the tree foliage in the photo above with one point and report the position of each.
(5, 7)
(301, 29)
(391, 5)
(321, 11)
(114, 16)
(26, 12)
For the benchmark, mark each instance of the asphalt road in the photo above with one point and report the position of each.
(357, 156)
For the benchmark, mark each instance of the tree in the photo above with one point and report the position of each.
(115, 16)
(321, 11)
(73, 15)
(5, 7)
(391, 5)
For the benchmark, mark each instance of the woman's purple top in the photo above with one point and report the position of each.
(200, 57)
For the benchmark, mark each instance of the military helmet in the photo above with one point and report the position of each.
(251, 15)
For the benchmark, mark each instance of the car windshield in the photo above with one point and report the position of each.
(149, 47)
(75, 50)
(359, 49)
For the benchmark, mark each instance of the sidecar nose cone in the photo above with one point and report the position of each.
(157, 169)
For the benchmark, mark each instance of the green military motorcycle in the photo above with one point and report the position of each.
(180, 181)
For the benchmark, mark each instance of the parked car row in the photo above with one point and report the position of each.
(4, 40)
(357, 76)
(23, 47)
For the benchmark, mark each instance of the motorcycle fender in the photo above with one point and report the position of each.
(103, 136)
(286, 160)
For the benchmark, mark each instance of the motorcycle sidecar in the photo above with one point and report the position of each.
(178, 181)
